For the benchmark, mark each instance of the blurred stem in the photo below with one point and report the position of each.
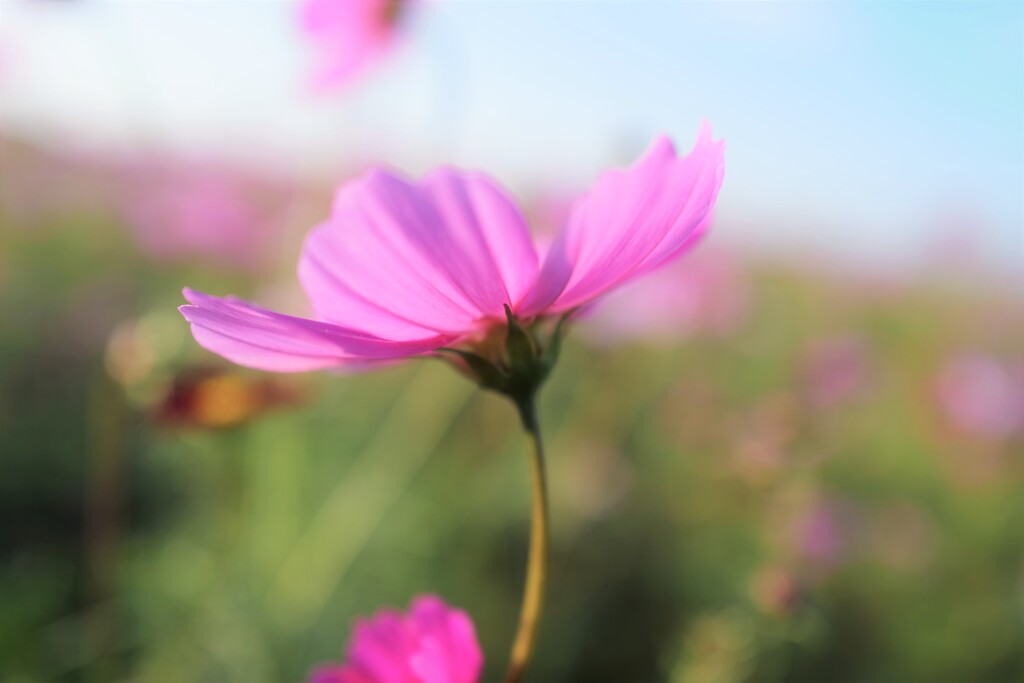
(537, 564)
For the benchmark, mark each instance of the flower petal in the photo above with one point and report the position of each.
(347, 35)
(382, 647)
(449, 651)
(631, 222)
(405, 260)
(340, 674)
(433, 643)
(255, 337)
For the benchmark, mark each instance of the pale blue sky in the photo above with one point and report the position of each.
(852, 127)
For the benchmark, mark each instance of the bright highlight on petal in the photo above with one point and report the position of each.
(433, 643)
(405, 260)
(403, 268)
(631, 222)
(255, 337)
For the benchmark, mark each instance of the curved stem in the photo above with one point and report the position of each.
(537, 564)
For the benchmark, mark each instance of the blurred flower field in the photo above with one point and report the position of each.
(822, 485)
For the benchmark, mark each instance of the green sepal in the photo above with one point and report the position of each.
(519, 345)
(523, 367)
(554, 346)
(486, 372)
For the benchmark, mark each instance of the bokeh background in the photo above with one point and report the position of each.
(797, 456)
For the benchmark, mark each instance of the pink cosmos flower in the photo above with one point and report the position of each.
(402, 268)
(349, 35)
(431, 644)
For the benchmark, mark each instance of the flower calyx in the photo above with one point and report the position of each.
(523, 364)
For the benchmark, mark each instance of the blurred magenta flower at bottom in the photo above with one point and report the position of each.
(432, 643)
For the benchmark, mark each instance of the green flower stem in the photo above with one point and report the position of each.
(537, 564)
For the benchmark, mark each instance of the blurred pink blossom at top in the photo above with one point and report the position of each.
(403, 268)
(432, 643)
(707, 293)
(981, 395)
(349, 35)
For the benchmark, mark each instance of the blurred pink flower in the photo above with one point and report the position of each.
(835, 369)
(181, 209)
(708, 294)
(822, 533)
(349, 35)
(431, 644)
(982, 396)
(819, 535)
(401, 269)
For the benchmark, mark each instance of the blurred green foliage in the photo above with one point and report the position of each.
(712, 522)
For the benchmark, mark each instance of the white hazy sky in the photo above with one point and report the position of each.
(855, 128)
